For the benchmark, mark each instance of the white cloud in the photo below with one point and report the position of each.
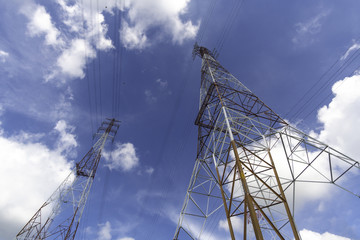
(62, 109)
(82, 33)
(38, 101)
(40, 24)
(99, 33)
(72, 61)
(105, 231)
(162, 83)
(30, 171)
(133, 37)
(160, 16)
(83, 18)
(88, 33)
(3, 56)
(123, 157)
(149, 97)
(149, 171)
(67, 140)
(341, 117)
(83, 30)
(305, 31)
(2, 110)
(310, 235)
(26, 137)
(354, 47)
(237, 224)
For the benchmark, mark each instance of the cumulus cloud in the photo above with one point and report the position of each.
(28, 168)
(72, 61)
(67, 140)
(82, 19)
(133, 37)
(305, 31)
(3, 56)
(163, 17)
(40, 24)
(341, 115)
(310, 235)
(83, 32)
(123, 157)
(105, 231)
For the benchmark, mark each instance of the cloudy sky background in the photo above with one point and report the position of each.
(66, 65)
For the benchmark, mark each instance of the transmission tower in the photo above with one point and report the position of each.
(249, 161)
(59, 216)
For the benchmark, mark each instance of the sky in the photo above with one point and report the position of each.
(67, 65)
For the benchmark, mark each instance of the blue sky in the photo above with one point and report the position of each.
(66, 65)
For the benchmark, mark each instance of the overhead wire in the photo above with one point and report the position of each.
(189, 128)
(235, 11)
(116, 83)
(309, 90)
(330, 94)
(82, 230)
(115, 59)
(188, 132)
(94, 86)
(204, 26)
(118, 71)
(335, 75)
(99, 60)
(164, 145)
(87, 71)
(94, 69)
(115, 106)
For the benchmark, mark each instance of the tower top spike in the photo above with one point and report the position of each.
(201, 51)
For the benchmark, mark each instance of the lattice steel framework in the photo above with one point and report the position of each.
(59, 216)
(249, 161)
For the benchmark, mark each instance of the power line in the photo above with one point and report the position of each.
(165, 142)
(329, 95)
(115, 59)
(235, 11)
(204, 26)
(87, 70)
(118, 73)
(334, 76)
(99, 59)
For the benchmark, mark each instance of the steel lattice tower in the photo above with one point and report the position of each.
(59, 216)
(249, 161)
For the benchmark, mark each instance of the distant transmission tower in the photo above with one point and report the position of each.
(249, 161)
(59, 216)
